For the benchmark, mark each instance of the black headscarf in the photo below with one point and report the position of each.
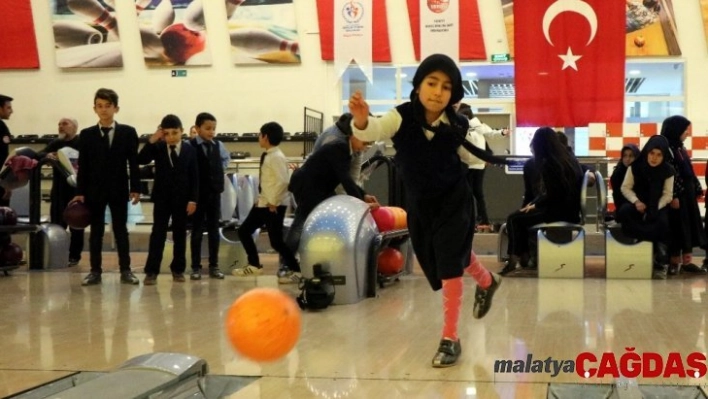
(648, 180)
(631, 147)
(673, 127)
(344, 124)
(444, 64)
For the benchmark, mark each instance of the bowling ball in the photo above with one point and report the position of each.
(401, 218)
(263, 324)
(181, 43)
(384, 218)
(8, 217)
(77, 215)
(10, 254)
(390, 261)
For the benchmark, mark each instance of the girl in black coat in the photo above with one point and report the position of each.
(630, 152)
(684, 216)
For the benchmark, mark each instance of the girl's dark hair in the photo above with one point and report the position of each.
(554, 159)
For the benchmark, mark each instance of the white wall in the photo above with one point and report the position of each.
(243, 98)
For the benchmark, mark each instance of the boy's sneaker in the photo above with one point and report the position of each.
(248, 271)
(196, 274)
(483, 298)
(150, 279)
(448, 353)
(92, 279)
(290, 277)
(127, 277)
(72, 262)
(214, 272)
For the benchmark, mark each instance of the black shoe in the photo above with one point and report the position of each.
(150, 279)
(214, 272)
(196, 274)
(92, 279)
(483, 298)
(692, 268)
(509, 266)
(72, 262)
(448, 353)
(127, 277)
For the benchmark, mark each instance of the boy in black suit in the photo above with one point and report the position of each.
(174, 195)
(107, 151)
(211, 185)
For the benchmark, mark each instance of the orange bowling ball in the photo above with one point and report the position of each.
(263, 324)
(401, 217)
(390, 261)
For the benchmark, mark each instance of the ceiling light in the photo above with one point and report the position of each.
(403, 75)
(471, 74)
(635, 72)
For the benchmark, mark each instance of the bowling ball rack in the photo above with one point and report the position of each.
(395, 239)
(16, 229)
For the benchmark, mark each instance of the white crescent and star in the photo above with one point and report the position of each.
(576, 6)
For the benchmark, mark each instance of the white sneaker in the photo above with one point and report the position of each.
(248, 271)
(290, 278)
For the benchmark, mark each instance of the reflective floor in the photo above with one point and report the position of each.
(51, 326)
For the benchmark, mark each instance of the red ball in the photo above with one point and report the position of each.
(77, 215)
(11, 254)
(181, 43)
(384, 218)
(8, 216)
(263, 324)
(390, 261)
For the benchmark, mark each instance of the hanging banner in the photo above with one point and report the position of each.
(650, 27)
(381, 48)
(439, 28)
(86, 34)
(352, 36)
(173, 32)
(459, 17)
(18, 45)
(569, 65)
(262, 31)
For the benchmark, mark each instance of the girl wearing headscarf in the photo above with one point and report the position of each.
(630, 152)
(648, 188)
(684, 216)
(429, 138)
(559, 198)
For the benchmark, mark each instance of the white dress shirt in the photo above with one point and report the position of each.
(274, 178)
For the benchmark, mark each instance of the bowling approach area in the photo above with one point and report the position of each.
(381, 347)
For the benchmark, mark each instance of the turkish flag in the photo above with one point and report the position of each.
(569, 62)
(18, 45)
(381, 51)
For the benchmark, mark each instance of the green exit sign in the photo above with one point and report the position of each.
(501, 57)
(179, 73)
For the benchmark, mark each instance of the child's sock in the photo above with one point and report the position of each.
(478, 272)
(452, 301)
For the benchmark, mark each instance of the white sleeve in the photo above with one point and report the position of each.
(628, 187)
(668, 193)
(381, 128)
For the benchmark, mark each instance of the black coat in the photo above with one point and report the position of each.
(180, 183)
(103, 172)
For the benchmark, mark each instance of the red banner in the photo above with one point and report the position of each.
(471, 39)
(569, 62)
(381, 46)
(18, 45)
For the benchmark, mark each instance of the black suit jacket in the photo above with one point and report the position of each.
(103, 172)
(182, 182)
(323, 171)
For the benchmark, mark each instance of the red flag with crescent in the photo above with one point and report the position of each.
(569, 62)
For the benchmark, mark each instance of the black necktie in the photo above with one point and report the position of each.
(105, 131)
(173, 155)
(207, 144)
(260, 168)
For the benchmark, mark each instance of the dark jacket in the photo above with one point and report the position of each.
(103, 172)
(180, 182)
